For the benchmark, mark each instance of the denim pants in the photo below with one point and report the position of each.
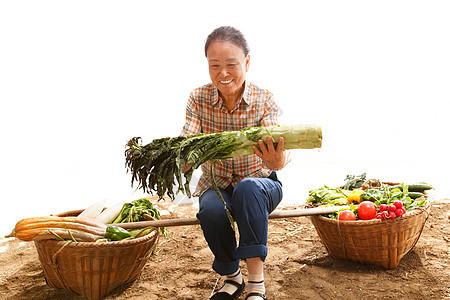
(250, 203)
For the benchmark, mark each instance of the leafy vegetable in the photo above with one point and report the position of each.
(388, 196)
(327, 195)
(354, 182)
(136, 211)
(159, 165)
(371, 195)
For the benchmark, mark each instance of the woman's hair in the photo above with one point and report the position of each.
(228, 34)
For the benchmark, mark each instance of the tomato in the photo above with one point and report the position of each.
(367, 210)
(346, 215)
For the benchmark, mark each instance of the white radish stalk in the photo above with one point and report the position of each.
(110, 214)
(93, 211)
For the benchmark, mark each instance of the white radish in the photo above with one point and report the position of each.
(93, 211)
(111, 213)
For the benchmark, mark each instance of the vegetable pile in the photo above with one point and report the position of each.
(91, 225)
(159, 165)
(138, 210)
(368, 199)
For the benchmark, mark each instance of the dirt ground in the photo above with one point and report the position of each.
(297, 267)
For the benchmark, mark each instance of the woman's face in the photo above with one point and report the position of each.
(228, 66)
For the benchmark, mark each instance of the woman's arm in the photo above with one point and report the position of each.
(192, 124)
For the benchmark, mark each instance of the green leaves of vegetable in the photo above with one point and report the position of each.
(388, 195)
(134, 212)
(327, 195)
(158, 165)
(354, 182)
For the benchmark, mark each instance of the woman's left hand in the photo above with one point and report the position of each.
(273, 157)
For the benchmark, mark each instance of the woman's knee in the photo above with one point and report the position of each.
(264, 191)
(211, 208)
(246, 186)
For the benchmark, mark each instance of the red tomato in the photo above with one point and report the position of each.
(367, 210)
(346, 215)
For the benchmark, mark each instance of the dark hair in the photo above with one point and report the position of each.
(228, 34)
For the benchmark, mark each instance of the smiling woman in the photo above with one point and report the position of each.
(229, 61)
(248, 185)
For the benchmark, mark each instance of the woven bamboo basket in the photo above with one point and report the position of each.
(378, 242)
(94, 269)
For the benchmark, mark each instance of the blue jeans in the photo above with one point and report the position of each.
(250, 203)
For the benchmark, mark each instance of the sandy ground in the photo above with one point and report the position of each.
(298, 266)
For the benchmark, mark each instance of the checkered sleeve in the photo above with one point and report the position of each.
(270, 116)
(192, 124)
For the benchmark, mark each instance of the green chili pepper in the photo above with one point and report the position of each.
(116, 233)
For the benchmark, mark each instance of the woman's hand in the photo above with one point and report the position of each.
(273, 157)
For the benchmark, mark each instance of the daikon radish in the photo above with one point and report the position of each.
(111, 213)
(93, 211)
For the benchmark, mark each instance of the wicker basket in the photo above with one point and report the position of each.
(377, 242)
(94, 269)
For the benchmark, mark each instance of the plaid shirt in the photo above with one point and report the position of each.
(206, 113)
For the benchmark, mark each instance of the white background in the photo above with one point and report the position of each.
(78, 79)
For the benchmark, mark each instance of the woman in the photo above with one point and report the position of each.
(248, 184)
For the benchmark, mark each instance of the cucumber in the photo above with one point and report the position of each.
(415, 195)
(398, 186)
(419, 187)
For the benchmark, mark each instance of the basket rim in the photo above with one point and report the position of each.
(408, 215)
(125, 243)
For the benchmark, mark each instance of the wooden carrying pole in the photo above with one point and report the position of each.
(277, 214)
